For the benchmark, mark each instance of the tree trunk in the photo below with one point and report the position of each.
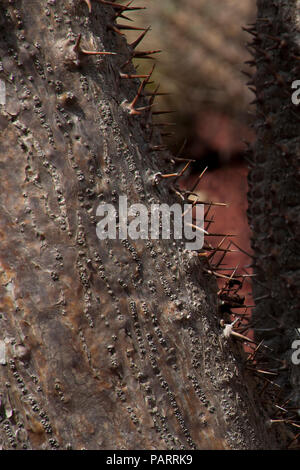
(103, 344)
(274, 191)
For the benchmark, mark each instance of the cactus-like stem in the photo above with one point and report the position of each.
(274, 186)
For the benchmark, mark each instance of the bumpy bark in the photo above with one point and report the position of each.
(102, 344)
(274, 187)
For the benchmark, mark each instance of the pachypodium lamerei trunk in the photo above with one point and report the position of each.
(103, 344)
(274, 189)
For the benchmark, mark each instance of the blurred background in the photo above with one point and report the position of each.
(201, 65)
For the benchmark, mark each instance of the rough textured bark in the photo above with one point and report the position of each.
(102, 344)
(274, 187)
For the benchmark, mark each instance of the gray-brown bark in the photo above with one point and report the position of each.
(274, 188)
(103, 344)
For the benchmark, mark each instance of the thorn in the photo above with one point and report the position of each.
(204, 255)
(210, 222)
(198, 228)
(140, 55)
(221, 250)
(89, 5)
(163, 112)
(178, 193)
(235, 270)
(250, 31)
(265, 372)
(167, 134)
(135, 43)
(177, 175)
(218, 248)
(131, 75)
(222, 258)
(130, 28)
(158, 148)
(251, 63)
(183, 170)
(114, 28)
(131, 106)
(118, 6)
(194, 203)
(266, 296)
(145, 54)
(79, 50)
(228, 331)
(282, 409)
(267, 20)
(170, 175)
(248, 75)
(293, 440)
(207, 212)
(198, 180)
(208, 271)
(154, 93)
(120, 15)
(271, 382)
(181, 148)
(253, 89)
(151, 101)
(192, 196)
(179, 159)
(222, 235)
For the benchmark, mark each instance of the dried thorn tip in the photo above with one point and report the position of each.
(79, 50)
